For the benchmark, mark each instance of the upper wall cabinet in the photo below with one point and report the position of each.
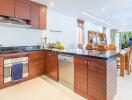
(22, 9)
(43, 17)
(38, 16)
(35, 15)
(7, 8)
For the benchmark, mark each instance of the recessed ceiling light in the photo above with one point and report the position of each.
(103, 9)
(51, 4)
(113, 17)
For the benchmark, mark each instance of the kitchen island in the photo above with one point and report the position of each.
(94, 71)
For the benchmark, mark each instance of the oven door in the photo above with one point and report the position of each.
(7, 73)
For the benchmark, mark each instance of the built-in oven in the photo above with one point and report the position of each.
(8, 64)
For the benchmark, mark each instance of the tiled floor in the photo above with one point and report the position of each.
(43, 88)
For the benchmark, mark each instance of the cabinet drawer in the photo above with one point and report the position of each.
(1, 80)
(1, 61)
(36, 56)
(1, 71)
(36, 64)
(36, 71)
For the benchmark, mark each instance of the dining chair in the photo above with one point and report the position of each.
(111, 47)
(89, 47)
(100, 48)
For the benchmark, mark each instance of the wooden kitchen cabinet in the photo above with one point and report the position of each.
(51, 65)
(102, 82)
(38, 16)
(43, 17)
(36, 63)
(7, 8)
(1, 71)
(25, 1)
(37, 55)
(96, 79)
(22, 10)
(81, 76)
(35, 15)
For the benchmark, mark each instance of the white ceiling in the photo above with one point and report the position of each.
(115, 12)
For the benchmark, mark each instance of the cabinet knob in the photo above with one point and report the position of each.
(85, 62)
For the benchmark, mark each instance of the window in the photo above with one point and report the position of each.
(81, 33)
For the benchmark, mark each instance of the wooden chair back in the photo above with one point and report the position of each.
(89, 47)
(101, 48)
(111, 47)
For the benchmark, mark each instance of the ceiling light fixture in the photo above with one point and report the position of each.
(113, 17)
(103, 9)
(51, 4)
(96, 18)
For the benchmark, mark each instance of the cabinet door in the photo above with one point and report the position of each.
(22, 10)
(1, 71)
(7, 8)
(96, 79)
(81, 76)
(35, 15)
(36, 67)
(51, 65)
(43, 17)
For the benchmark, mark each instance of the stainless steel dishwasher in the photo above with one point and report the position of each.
(66, 70)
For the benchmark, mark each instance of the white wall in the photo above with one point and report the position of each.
(67, 25)
(10, 36)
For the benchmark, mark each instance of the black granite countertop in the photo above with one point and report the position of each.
(80, 52)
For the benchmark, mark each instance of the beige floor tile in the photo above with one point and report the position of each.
(43, 88)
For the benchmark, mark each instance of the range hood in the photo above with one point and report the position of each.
(14, 22)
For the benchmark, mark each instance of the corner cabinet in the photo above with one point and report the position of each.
(81, 76)
(38, 16)
(7, 8)
(51, 65)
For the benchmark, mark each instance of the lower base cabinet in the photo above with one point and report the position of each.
(95, 78)
(51, 65)
(36, 67)
(81, 76)
(36, 63)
